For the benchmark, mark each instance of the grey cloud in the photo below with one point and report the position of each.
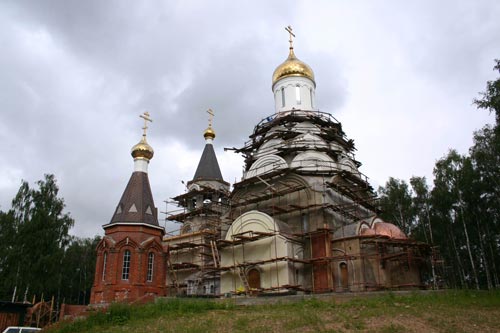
(76, 74)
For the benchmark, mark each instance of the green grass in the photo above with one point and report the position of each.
(451, 311)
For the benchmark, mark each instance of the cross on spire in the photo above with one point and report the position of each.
(210, 117)
(146, 118)
(289, 29)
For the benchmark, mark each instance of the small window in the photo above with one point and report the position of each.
(311, 95)
(104, 263)
(151, 259)
(282, 97)
(297, 94)
(133, 209)
(126, 265)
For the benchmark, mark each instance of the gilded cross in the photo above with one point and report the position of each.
(146, 118)
(289, 29)
(210, 117)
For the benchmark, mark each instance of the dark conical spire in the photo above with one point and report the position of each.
(136, 204)
(208, 168)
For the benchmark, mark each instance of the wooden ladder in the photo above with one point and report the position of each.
(173, 275)
(215, 253)
(243, 278)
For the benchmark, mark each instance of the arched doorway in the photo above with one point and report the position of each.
(344, 275)
(254, 278)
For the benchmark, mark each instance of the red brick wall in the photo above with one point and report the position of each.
(140, 241)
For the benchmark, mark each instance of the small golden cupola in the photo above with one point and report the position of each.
(293, 83)
(209, 133)
(292, 66)
(142, 150)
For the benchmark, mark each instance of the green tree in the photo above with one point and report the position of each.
(8, 251)
(451, 198)
(485, 156)
(38, 230)
(78, 269)
(423, 225)
(396, 204)
(491, 97)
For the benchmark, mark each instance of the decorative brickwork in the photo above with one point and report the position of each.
(140, 240)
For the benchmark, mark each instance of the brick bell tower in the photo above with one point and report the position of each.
(130, 258)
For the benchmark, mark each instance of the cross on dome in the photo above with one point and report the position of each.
(289, 29)
(210, 117)
(146, 118)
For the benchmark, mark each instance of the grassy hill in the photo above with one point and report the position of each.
(451, 311)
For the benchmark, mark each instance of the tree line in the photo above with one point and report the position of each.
(460, 214)
(38, 256)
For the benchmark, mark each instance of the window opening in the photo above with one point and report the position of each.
(282, 97)
(151, 258)
(297, 94)
(126, 265)
(104, 263)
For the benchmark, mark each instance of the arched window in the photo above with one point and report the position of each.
(151, 259)
(297, 94)
(311, 95)
(126, 265)
(104, 263)
(282, 97)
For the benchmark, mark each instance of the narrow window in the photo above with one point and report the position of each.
(126, 265)
(311, 95)
(297, 94)
(282, 97)
(104, 263)
(151, 258)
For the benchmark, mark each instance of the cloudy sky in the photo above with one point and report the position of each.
(75, 75)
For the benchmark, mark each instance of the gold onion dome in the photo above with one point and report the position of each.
(292, 66)
(209, 133)
(142, 150)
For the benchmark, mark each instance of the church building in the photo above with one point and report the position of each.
(302, 219)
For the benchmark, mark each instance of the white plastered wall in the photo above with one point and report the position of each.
(273, 274)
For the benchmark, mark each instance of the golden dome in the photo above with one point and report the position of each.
(293, 67)
(209, 133)
(142, 150)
